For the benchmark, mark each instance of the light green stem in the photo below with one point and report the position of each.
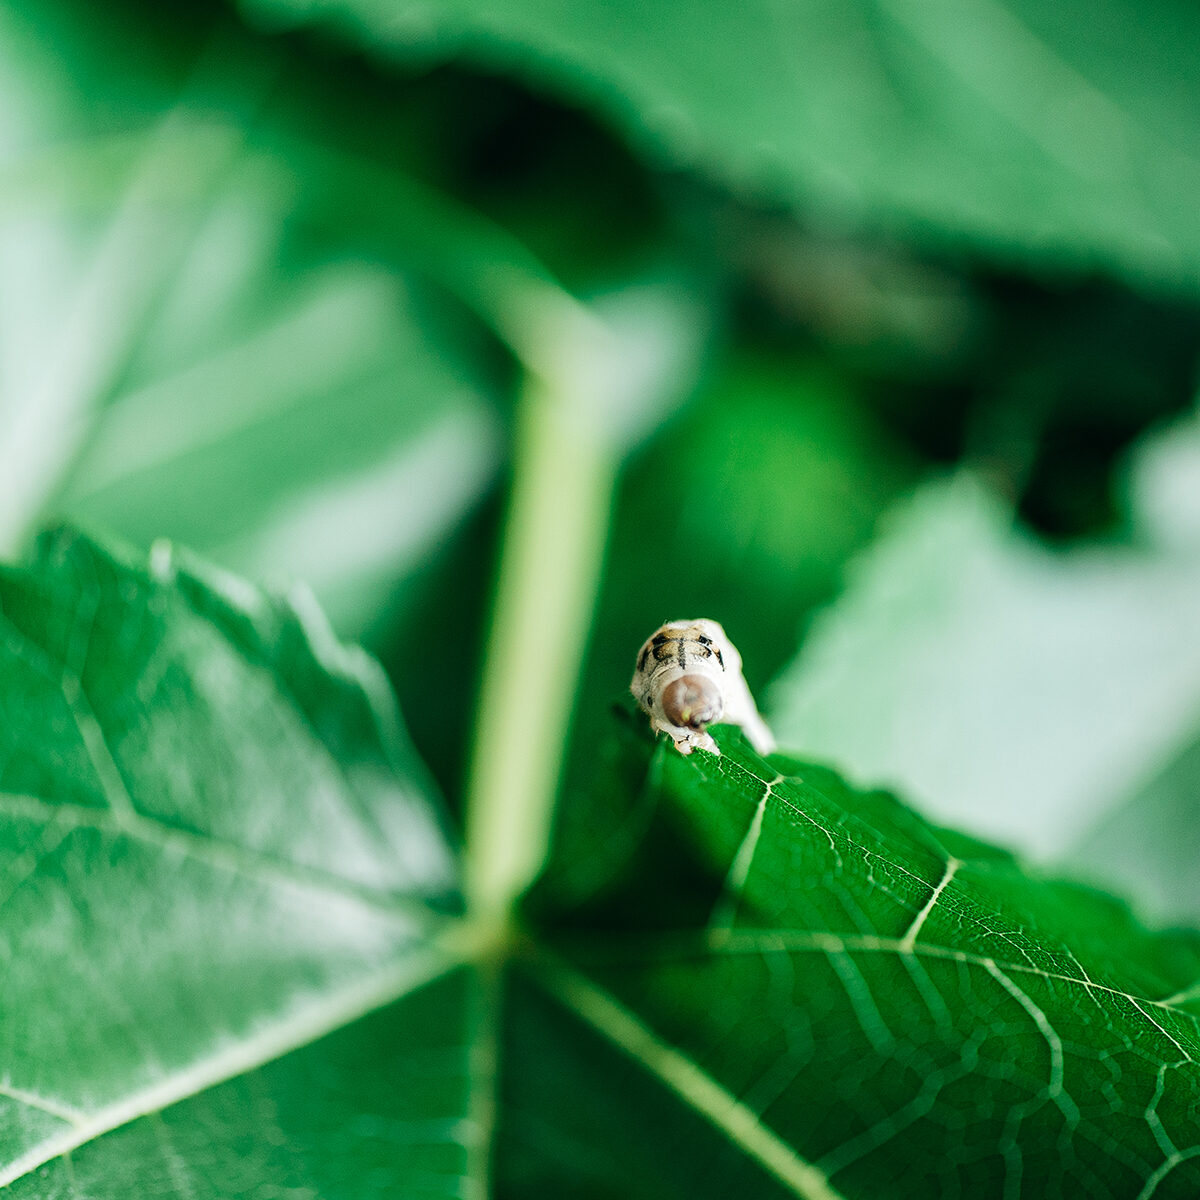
(553, 545)
(593, 386)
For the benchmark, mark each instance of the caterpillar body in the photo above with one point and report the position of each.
(688, 677)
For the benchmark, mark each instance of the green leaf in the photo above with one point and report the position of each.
(375, 1110)
(216, 848)
(861, 1003)
(236, 961)
(1144, 845)
(192, 346)
(1060, 133)
(1160, 486)
(1006, 688)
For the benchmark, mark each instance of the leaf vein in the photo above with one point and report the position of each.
(238, 860)
(694, 1086)
(297, 1029)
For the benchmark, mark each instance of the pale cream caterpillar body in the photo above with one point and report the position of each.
(688, 677)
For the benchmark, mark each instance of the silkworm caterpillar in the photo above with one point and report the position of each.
(688, 677)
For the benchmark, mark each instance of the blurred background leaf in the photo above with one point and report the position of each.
(239, 311)
(191, 352)
(1065, 135)
(1014, 691)
(1048, 699)
(1145, 843)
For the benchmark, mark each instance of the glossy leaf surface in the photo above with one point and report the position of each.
(869, 1005)
(217, 847)
(244, 967)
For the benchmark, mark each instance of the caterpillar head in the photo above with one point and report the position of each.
(693, 702)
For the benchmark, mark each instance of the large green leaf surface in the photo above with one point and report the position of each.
(866, 1004)
(1062, 133)
(236, 962)
(216, 846)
